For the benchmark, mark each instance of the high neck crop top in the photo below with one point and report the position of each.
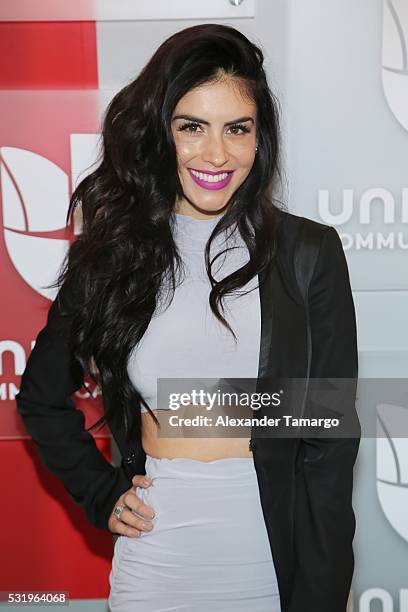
(184, 339)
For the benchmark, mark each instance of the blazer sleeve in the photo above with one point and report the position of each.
(57, 427)
(324, 517)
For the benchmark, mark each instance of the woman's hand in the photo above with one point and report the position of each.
(129, 524)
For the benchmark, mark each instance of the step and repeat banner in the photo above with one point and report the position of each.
(347, 142)
(340, 70)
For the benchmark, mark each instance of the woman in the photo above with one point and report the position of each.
(191, 155)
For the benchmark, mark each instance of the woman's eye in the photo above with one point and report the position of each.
(188, 127)
(243, 128)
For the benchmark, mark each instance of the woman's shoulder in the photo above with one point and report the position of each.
(290, 230)
(292, 226)
(292, 223)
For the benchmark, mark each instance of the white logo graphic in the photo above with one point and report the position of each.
(392, 466)
(35, 197)
(385, 600)
(35, 200)
(395, 58)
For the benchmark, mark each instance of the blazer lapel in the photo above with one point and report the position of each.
(283, 342)
(283, 322)
(267, 305)
(282, 356)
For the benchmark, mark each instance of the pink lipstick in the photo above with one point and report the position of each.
(214, 184)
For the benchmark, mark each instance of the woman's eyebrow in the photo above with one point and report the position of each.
(198, 120)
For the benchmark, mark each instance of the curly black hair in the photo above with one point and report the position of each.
(125, 252)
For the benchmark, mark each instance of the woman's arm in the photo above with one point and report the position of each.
(57, 427)
(325, 521)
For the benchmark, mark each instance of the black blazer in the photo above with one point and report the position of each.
(305, 483)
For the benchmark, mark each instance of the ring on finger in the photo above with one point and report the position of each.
(117, 511)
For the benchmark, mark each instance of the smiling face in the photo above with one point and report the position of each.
(214, 130)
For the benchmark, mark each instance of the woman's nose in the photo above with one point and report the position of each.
(215, 152)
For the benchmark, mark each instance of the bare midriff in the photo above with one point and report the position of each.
(199, 448)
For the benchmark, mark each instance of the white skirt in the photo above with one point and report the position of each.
(208, 549)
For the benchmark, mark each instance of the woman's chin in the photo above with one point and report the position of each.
(212, 201)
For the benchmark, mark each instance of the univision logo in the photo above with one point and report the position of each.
(395, 58)
(392, 466)
(35, 197)
(35, 201)
(393, 209)
(374, 210)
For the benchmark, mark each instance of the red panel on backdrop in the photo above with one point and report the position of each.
(40, 123)
(56, 546)
(57, 55)
(46, 539)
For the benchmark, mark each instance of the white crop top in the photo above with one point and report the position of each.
(186, 340)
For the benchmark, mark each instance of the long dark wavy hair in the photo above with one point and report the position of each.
(111, 276)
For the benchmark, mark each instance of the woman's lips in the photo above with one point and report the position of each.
(212, 185)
